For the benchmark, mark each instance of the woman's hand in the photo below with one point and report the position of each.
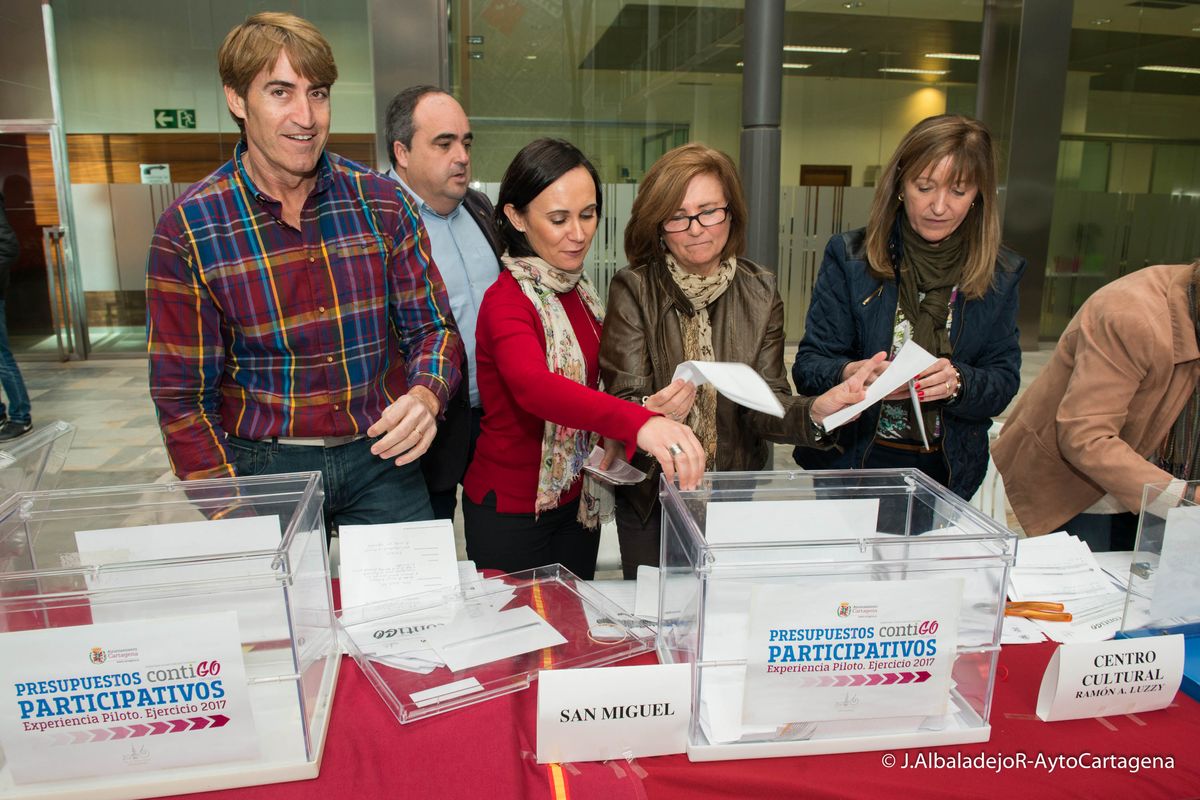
(850, 391)
(677, 449)
(673, 400)
(613, 450)
(878, 365)
(939, 382)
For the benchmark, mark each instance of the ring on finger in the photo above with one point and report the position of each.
(675, 449)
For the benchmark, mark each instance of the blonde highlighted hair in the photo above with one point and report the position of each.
(662, 192)
(254, 46)
(968, 145)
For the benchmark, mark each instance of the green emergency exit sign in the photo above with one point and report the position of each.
(174, 118)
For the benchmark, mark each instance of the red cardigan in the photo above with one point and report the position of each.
(519, 393)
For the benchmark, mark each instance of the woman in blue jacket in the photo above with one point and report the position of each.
(929, 266)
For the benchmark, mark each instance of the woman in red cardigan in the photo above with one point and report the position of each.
(537, 350)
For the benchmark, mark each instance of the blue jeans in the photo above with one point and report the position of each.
(360, 488)
(10, 378)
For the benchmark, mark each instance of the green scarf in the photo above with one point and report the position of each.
(934, 269)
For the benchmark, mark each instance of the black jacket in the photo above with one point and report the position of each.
(10, 249)
(851, 317)
(445, 463)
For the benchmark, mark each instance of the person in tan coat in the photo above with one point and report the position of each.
(1116, 407)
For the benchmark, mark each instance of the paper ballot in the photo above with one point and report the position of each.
(910, 361)
(736, 381)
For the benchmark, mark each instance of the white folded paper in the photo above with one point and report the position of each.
(910, 361)
(382, 562)
(736, 381)
(470, 641)
(621, 473)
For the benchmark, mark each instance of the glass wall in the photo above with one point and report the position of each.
(145, 117)
(1128, 184)
(627, 81)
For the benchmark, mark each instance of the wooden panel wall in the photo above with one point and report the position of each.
(114, 158)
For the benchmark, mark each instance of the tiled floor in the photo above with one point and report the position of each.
(117, 441)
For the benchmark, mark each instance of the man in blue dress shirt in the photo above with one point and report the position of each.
(429, 142)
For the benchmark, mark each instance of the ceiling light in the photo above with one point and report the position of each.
(1101, 21)
(1165, 68)
(954, 56)
(531, 58)
(814, 48)
(786, 65)
(916, 71)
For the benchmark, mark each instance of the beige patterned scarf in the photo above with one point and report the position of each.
(564, 450)
(702, 291)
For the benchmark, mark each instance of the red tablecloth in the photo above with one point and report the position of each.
(486, 751)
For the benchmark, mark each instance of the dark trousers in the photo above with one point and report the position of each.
(516, 542)
(445, 502)
(894, 510)
(360, 488)
(1104, 532)
(640, 541)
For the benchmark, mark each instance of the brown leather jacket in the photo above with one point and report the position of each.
(642, 345)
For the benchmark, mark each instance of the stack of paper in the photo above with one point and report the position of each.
(1060, 568)
(398, 570)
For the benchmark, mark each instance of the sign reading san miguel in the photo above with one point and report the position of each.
(108, 698)
(633, 711)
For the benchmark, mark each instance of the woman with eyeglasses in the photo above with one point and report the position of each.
(687, 295)
(526, 503)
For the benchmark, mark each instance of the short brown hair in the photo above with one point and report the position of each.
(968, 145)
(662, 191)
(254, 46)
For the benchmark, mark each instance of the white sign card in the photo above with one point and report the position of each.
(613, 712)
(261, 616)
(1177, 584)
(382, 562)
(1100, 679)
(735, 381)
(855, 650)
(124, 698)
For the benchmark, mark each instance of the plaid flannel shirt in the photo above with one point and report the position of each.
(257, 329)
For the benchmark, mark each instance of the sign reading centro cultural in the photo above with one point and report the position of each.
(124, 697)
(841, 651)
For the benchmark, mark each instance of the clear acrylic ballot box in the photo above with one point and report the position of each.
(828, 612)
(1164, 575)
(35, 460)
(435, 652)
(165, 638)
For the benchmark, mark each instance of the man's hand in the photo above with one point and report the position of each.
(410, 424)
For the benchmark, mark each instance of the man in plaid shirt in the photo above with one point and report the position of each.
(296, 321)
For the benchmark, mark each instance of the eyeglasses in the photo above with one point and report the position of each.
(707, 218)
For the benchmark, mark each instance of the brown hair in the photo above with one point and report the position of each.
(254, 45)
(662, 191)
(968, 144)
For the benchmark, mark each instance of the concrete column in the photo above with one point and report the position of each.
(762, 96)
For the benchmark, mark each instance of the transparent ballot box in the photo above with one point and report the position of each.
(165, 638)
(828, 612)
(435, 652)
(1164, 576)
(35, 460)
